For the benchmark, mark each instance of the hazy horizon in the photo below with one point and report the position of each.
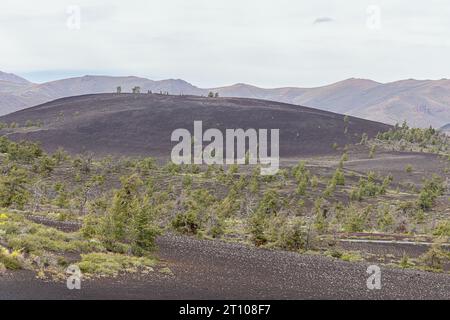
(55, 76)
(211, 43)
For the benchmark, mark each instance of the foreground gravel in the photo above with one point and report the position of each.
(215, 270)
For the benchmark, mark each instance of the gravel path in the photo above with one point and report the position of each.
(216, 270)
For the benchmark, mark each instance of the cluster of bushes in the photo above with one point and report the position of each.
(129, 220)
(412, 135)
(9, 259)
(435, 257)
(369, 187)
(355, 220)
(268, 207)
(213, 94)
(149, 197)
(193, 212)
(278, 231)
(24, 151)
(27, 124)
(338, 179)
(13, 188)
(111, 264)
(432, 189)
(382, 217)
(442, 229)
(424, 138)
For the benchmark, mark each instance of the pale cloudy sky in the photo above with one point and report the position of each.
(212, 43)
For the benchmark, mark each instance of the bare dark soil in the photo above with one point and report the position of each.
(423, 165)
(142, 124)
(216, 270)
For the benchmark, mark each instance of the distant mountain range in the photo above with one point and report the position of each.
(420, 102)
(446, 128)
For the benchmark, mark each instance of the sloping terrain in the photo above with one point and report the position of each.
(10, 77)
(446, 128)
(143, 123)
(420, 102)
(17, 95)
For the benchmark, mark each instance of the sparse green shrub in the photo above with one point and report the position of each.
(426, 199)
(216, 224)
(44, 165)
(13, 188)
(92, 226)
(60, 155)
(300, 170)
(187, 223)
(172, 168)
(257, 226)
(254, 184)
(354, 219)
(130, 218)
(419, 216)
(314, 182)
(24, 151)
(110, 264)
(143, 230)
(430, 191)
(404, 262)
(233, 169)
(339, 177)
(320, 221)
(385, 218)
(8, 260)
(351, 256)
(187, 181)
(29, 123)
(82, 164)
(435, 257)
(364, 138)
(301, 187)
(424, 138)
(62, 198)
(442, 229)
(367, 187)
(195, 169)
(270, 204)
(202, 199)
(302, 176)
(147, 164)
(293, 236)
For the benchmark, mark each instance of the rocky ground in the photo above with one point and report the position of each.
(216, 270)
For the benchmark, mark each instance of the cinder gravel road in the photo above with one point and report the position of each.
(215, 270)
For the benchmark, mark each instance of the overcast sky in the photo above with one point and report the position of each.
(213, 43)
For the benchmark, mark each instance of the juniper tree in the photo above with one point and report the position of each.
(13, 188)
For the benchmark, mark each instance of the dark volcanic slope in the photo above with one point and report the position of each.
(142, 124)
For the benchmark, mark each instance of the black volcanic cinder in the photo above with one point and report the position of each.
(142, 124)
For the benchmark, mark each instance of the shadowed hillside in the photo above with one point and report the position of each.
(142, 124)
